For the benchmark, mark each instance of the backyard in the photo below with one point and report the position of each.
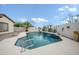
(64, 47)
(47, 30)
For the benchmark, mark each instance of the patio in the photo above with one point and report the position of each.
(66, 47)
(8, 35)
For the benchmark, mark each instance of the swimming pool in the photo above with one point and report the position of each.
(37, 39)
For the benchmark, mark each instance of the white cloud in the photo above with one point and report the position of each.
(39, 20)
(67, 19)
(73, 9)
(57, 18)
(67, 8)
(61, 9)
(75, 17)
(23, 20)
(64, 21)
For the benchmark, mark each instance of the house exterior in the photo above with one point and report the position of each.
(68, 29)
(6, 24)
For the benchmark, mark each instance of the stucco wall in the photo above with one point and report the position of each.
(30, 29)
(10, 24)
(68, 32)
(17, 29)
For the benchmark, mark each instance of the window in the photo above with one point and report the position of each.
(3, 27)
(68, 27)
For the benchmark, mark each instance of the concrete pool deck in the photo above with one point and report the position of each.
(64, 47)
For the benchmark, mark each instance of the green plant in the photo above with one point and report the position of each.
(27, 25)
(50, 30)
(44, 28)
(18, 24)
(23, 24)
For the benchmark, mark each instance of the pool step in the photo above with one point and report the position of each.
(27, 43)
(29, 46)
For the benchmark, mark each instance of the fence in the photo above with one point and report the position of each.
(17, 29)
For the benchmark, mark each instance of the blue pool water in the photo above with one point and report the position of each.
(37, 39)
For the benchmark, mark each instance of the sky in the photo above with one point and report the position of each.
(40, 14)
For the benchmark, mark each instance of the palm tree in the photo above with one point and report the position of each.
(50, 28)
(39, 29)
(27, 25)
(44, 28)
